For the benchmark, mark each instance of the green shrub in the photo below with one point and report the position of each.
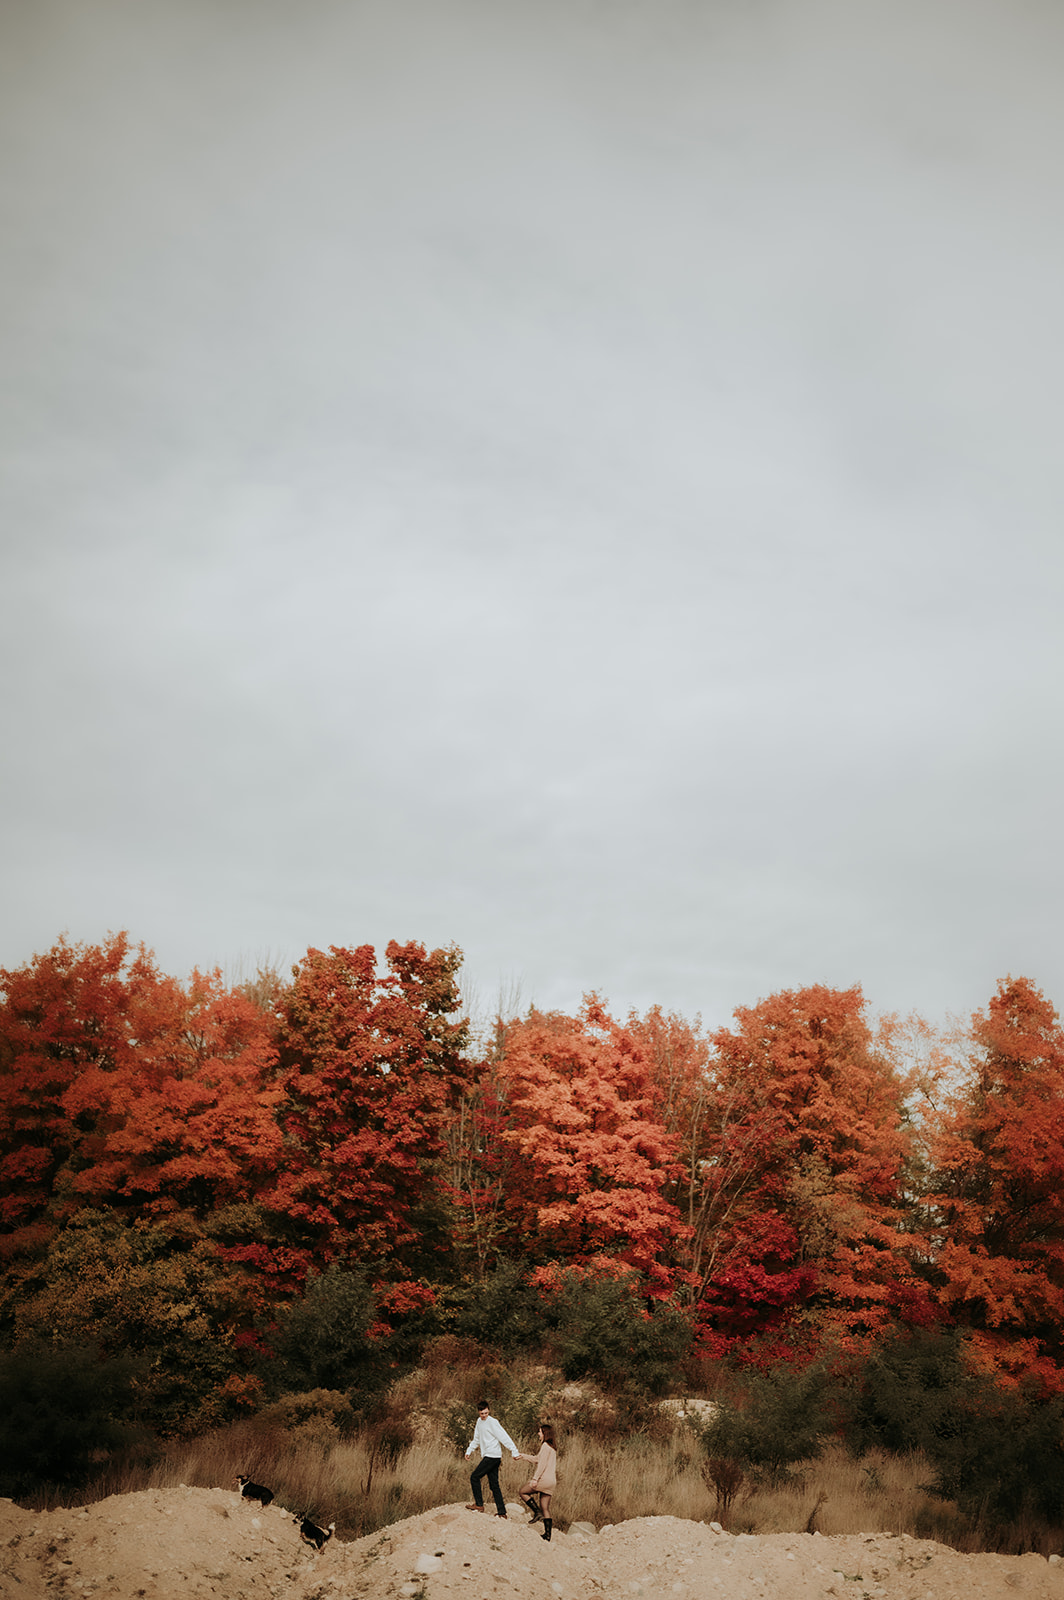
(321, 1341)
(322, 1417)
(910, 1393)
(121, 1287)
(997, 1454)
(773, 1421)
(603, 1329)
(63, 1411)
(520, 1404)
(502, 1311)
(1003, 1457)
(459, 1420)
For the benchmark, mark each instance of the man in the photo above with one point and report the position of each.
(489, 1436)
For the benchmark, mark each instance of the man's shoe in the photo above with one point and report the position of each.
(472, 1506)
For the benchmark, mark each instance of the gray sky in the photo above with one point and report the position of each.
(578, 479)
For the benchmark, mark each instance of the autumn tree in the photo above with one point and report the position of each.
(370, 1064)
(115, 1287)
(79, 1012)
(600, 1326)
(801, 1184)
(128, 1098)
(323, 1339)
(188, 1122)
(121, 1086)
(592, 1154)
(678, 1053)
(998, 1205)
(723, 1159)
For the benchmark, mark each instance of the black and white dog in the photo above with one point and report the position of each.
(311, 1534)
(254, 1491)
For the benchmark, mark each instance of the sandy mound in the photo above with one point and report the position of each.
(187, 1544)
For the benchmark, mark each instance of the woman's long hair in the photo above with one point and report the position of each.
(547, 1430)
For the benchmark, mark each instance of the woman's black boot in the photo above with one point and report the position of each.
(547, 1526)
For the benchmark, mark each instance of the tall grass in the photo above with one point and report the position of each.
(344, 1480)
(612, 1467)
(600, 1481)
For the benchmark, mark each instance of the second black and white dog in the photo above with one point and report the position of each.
(311, 1534)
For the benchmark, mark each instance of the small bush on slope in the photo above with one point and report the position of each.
(321, 1341)
(776, 1419)
(600, 1328)
(61, 1412)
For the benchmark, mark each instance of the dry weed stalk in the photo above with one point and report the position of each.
(810, 1526)
(726, 1478)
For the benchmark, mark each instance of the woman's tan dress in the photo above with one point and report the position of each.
(545, 1471)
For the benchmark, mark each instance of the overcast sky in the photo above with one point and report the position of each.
(581, 479)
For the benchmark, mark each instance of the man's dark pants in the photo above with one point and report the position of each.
(489, 1468)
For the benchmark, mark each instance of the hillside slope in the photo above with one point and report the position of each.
(190, 1544)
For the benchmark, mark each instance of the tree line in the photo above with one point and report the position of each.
(238, 1186)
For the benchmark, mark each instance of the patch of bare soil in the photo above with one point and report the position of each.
(188, 1544)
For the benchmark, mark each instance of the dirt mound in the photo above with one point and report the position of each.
(187, 1544)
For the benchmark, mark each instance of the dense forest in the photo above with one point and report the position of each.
(212, 1192)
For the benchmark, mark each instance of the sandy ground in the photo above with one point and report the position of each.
(187, 1544)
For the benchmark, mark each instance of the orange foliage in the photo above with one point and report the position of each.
(76, 1015)
(121, 1087)
(802, 1180)
(591, 1152)
(998, 1151)
(370, 1067)
(802, 1174)
(191, 1123)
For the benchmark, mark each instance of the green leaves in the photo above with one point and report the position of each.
(62, 1411)
(112, 1287)
(773, 1421)
(322, 1340)
(601, 1327)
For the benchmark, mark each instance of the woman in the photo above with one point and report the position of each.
(537, 1493)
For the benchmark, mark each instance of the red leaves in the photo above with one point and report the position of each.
(79, 1027)
(807, 1057)
(293, 1136)
(765, 1170)
(804, 1151)
(369, 1067)
(592, 1155)
(757, 1281)
(121, 1087)
(195, 1127)
(999, 1155)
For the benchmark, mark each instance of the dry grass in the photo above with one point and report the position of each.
(878, 1494)
(604, 1481)
(609, 1470)
(601, 1481)
(346, 1481)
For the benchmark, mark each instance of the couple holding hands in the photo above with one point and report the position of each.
(489, 1436)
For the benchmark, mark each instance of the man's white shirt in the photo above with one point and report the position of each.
(489, 1436)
